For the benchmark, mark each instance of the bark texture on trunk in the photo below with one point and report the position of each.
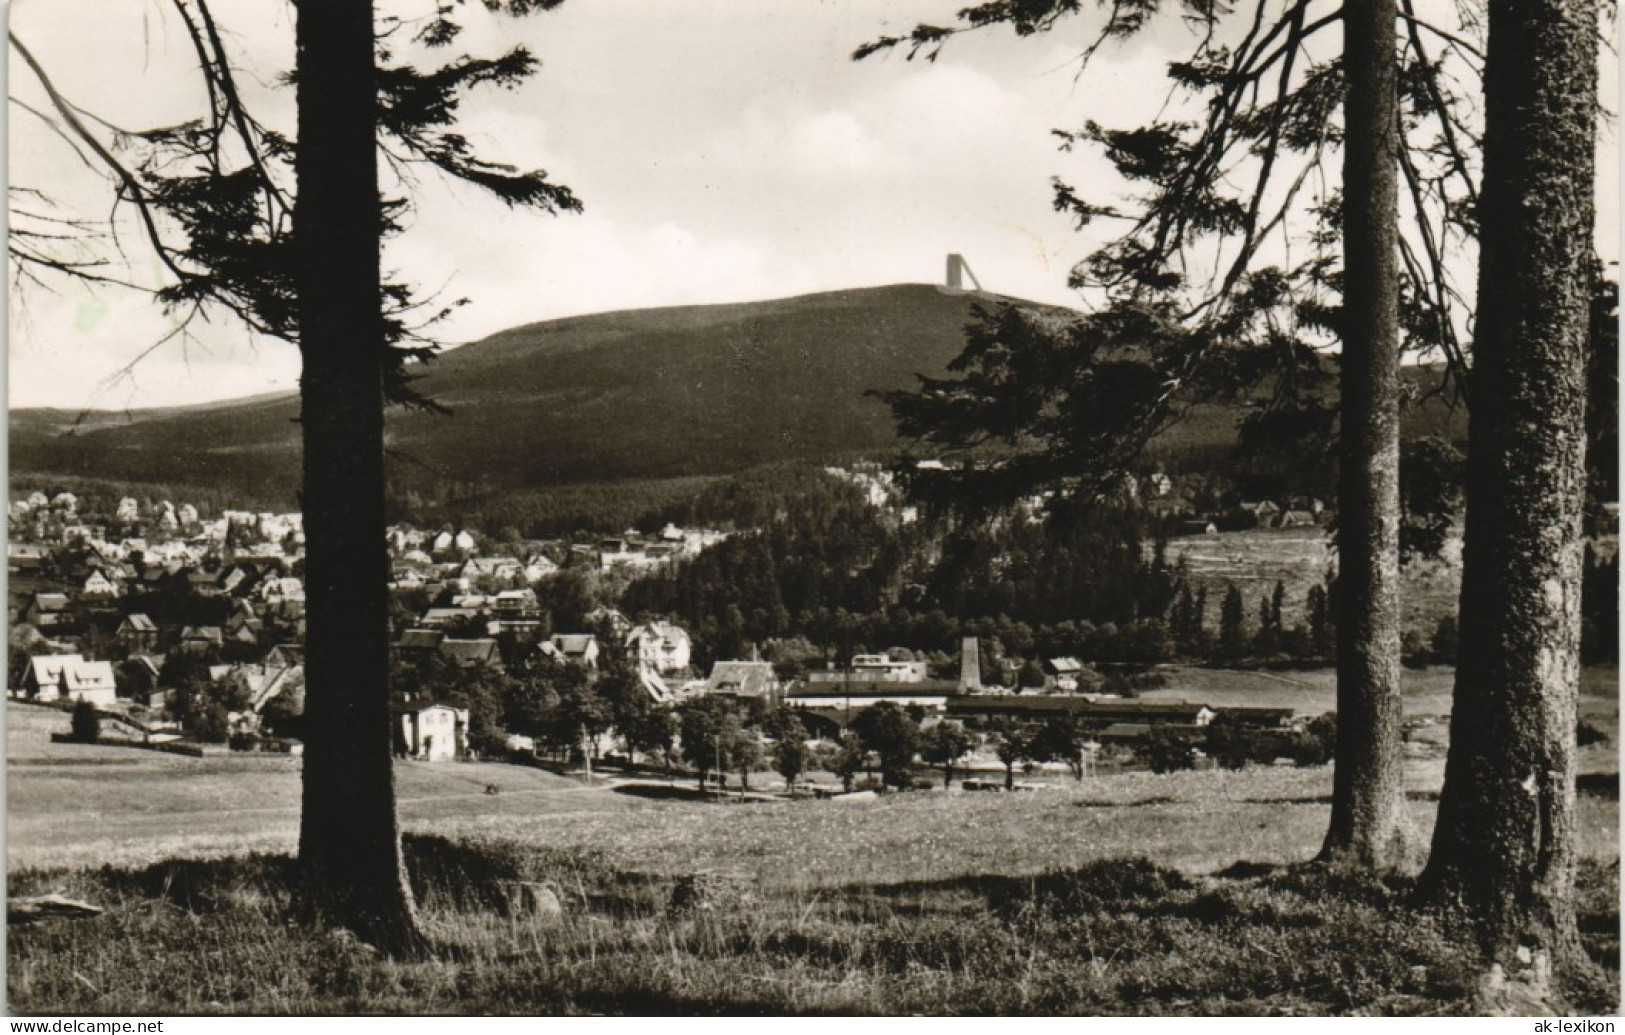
(349, 843)
(1367, 787)
(1505, 842)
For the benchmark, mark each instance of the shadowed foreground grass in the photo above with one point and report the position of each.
(1116, 936)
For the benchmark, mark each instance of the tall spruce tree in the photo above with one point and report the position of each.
(349, 843)
(1368, 794)
(1506, 840)
(1233, 640)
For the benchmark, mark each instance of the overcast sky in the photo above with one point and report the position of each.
(725, 150)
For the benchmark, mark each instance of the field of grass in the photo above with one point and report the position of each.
(1254, 561)
(1314, 691)
(1124, 936)
(1134, 893)
(1307, 691)
(70, 803)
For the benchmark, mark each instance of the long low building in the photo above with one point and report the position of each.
(933, 694)
(831, 706)
(1104, 710)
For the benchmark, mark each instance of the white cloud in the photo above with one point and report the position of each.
(836, 143)
(95, 349)
(535, 268)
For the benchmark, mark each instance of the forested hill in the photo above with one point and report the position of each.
(636, 394)
(640, 394)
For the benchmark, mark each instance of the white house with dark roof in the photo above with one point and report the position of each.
(46, 611)
(517, 602)
(540, 567)
(608, 617)
(69, 677)
(431, 731)
(481, 653)
(137, 634)
(661, 646)
(576, 648)
(277, 590)
(405, 577)
(754, 679)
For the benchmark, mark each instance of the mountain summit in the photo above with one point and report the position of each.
(706, 389)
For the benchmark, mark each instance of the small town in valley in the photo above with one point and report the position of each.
(605, 509)
(183, 633)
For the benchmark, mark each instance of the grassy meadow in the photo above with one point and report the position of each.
(1254, 561)
(1314, 691)
(1135, 893)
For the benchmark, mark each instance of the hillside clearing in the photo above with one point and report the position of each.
(1300, 558)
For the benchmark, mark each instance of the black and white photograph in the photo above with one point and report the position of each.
(712, 508)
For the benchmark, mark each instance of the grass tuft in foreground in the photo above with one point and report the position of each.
(1119, 936)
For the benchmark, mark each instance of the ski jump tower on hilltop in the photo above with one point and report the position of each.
(958, 269)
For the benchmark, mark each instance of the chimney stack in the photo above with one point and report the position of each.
(970, 666)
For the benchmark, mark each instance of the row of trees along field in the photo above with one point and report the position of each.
(569, 714)
(1231, 186)
(1077, 399)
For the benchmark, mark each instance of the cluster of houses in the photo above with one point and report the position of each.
(42, 518)
(1160, 494)
(659, 652)
(436, 561)
(84, 639)
(101, 562)
(638, 552)
(79, 633)
(1246, 514)
(78, 582)
(132, 659)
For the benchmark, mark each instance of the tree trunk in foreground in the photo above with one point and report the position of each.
(1505, 843)
(1367, 787)
(349, 844)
